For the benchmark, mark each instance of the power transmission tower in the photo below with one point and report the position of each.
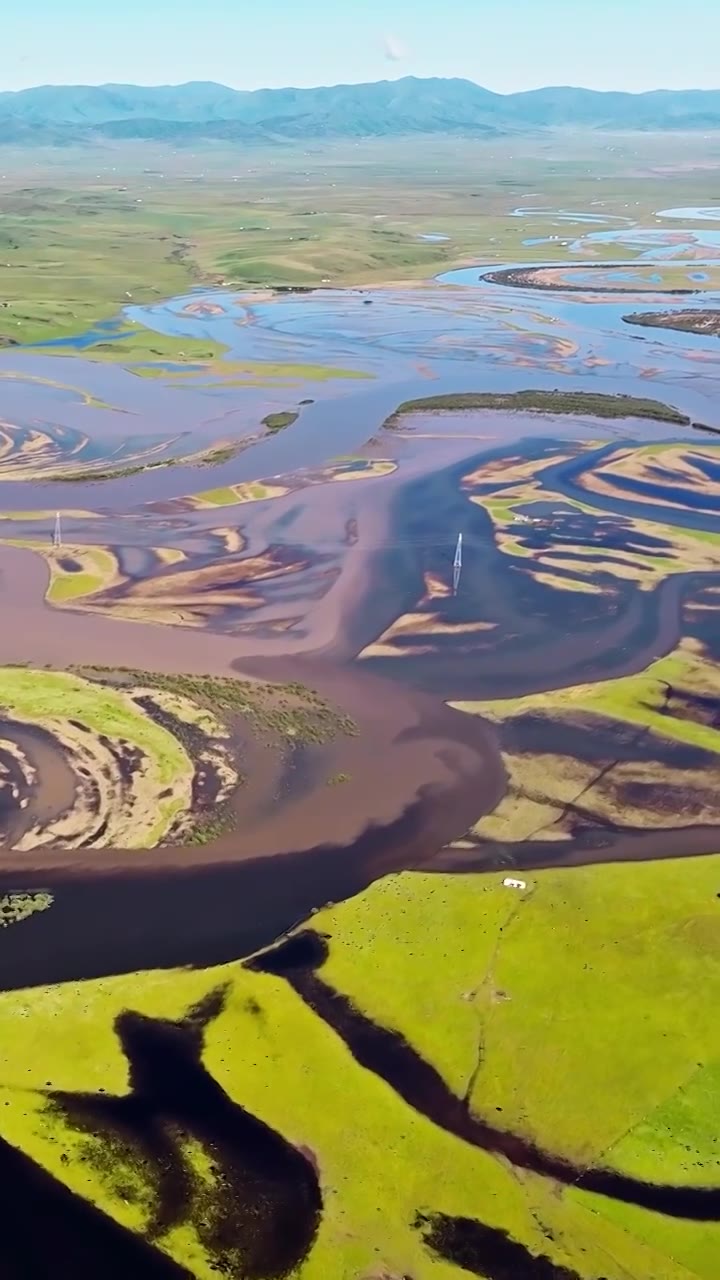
(457, 564)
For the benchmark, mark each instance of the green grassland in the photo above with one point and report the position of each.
(98, 568)
(82, 230)
(591, 1038)
(595, 404)
(519, 973)
(634, 699)
(139, 345)
(222, 497)
(584, 1003)
(41, 696)
(101, 568)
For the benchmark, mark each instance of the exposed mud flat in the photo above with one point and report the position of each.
(89, 762)
(55, 452)
(684, 479)
(346, 589)
(572, 774)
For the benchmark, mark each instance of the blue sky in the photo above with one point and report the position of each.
(502, 44)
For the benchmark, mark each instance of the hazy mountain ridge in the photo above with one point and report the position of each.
(76, 113)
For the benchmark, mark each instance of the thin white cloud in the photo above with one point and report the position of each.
(394, 49)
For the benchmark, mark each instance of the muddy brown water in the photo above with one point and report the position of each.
(52, 789)
(118, 912)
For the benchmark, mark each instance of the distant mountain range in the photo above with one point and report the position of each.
(70, 114)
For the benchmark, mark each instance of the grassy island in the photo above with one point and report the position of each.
(704, 322)
(593, 404)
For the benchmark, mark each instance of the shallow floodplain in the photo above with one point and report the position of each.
(260, 494)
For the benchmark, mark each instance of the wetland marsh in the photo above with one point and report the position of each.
(243, 699)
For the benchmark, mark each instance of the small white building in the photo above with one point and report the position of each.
(509, 883)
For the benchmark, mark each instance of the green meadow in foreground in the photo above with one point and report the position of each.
(551, 1007)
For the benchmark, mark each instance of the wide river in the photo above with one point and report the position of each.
(462, 332)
